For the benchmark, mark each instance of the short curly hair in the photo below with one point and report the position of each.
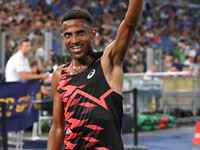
(77, 14)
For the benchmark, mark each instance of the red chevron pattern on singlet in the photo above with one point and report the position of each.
(71, 96)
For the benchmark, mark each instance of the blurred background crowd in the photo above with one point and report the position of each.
(170, 28)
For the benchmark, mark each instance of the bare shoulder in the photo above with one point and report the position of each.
(57, 72)
(56, 76)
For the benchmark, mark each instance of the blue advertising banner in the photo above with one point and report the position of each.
(20, 112)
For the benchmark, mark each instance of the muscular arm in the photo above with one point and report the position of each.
(56, 134)
(126, 32)
(115, 53)
(31, 76)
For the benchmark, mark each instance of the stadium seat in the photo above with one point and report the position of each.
(167, 45)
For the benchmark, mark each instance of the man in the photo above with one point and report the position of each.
(149, 75)
(87, 92)
(17, 67)
(36, 68)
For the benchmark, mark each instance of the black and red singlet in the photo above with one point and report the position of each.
(93, 111)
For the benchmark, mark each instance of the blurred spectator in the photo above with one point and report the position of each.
(10, 45)
(17, 67)
(127, 66)
(177, 23)
(56, 61)
(53, 61)
(49, 63)
(187, 70)
(190, 59)
(168, 62)
(179, 55)
(197, 64)
(40, 53)
(153, 69)
(176, 63)
(183, 46)
(36, 68)
(149, 75)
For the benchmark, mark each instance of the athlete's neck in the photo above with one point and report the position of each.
(79, 66)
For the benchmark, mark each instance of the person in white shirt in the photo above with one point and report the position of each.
(149, 75)
(18, 68)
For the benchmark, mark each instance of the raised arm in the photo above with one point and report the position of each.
(125, 33)
(56, 134)
(114, 54)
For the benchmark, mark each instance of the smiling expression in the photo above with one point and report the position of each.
(78, 37)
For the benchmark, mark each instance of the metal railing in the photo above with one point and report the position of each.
(162, 91)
